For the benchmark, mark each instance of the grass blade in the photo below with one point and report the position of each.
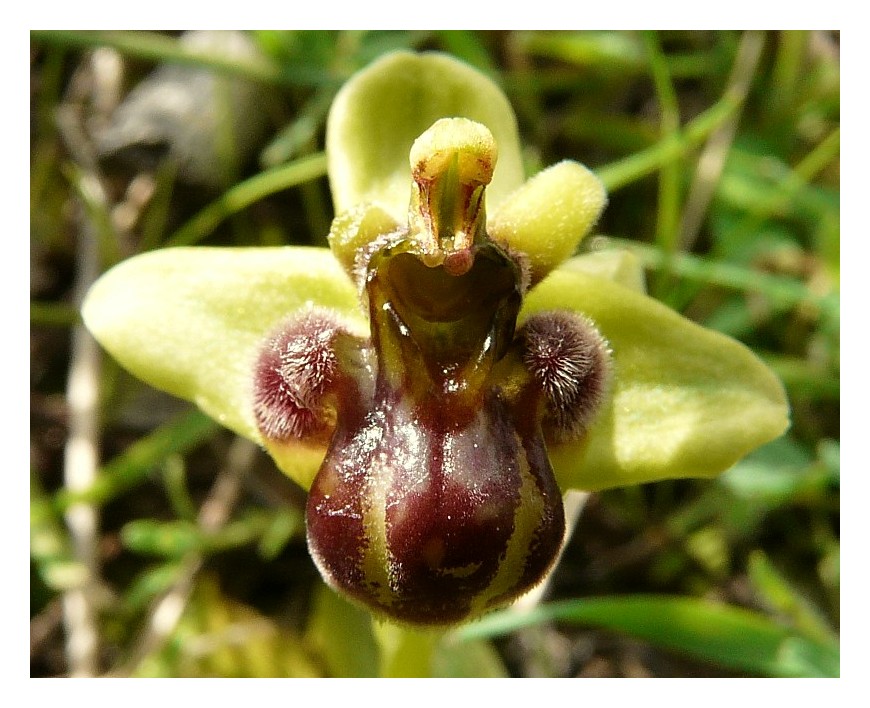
(729, 636)
(246, 193)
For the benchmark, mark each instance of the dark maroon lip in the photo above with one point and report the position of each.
(450, 512)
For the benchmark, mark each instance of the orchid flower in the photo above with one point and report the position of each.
(441, 375)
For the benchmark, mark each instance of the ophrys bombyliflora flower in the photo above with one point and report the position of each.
(487, 294)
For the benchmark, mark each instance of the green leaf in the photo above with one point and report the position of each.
(190, 321)
(685, 401)
(50, 547)
(729, 636)
(285, 524)
(152, 581)
(383, 109)
(172, 539)
(786, 599)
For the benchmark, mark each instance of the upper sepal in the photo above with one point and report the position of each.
(383, 109)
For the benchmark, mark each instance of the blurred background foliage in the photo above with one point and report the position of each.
(182, 552)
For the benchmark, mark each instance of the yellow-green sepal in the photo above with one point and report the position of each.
(685, 401)
(191, 321)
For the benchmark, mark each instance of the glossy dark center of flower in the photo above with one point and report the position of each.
(452, 328)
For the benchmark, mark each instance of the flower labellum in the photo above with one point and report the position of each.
(436, 500)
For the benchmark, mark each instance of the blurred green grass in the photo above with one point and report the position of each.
(721, 154)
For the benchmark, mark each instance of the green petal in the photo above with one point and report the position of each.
(685, 401)
(356, 228)
(190, 321)
(383, 109)
(549, 215)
